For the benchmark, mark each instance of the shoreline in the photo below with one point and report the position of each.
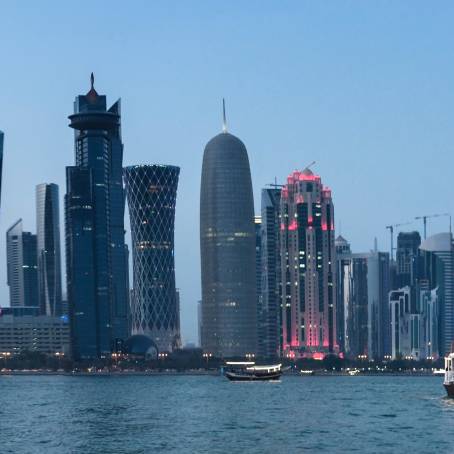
(203, 373)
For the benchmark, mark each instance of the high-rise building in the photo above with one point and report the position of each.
(2, 136)
(343, 252)
(258, 278)
(438, 255)
(270, 333)
(48, 242)
(14, 264)
(97, 272)
(352, 300)
(362, 294)
(199, 322)
(227, 242)
(22, 266)
(378, 287)
(414, 323)
(407, 249)
(151, 191)
(308, 264)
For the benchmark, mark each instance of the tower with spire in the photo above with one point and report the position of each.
(227, 241)
(96, 253)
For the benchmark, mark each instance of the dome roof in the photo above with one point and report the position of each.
(307, 171)
(140, 345)
(225, 140)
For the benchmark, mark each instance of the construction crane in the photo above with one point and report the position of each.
(391, 231)
(275, 185)
(427, 216)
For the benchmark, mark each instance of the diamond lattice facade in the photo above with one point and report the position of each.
(151, 191)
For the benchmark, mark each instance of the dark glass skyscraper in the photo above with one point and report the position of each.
(269, 335)
(227, 242)
(407, 250)
(96, 252)
(151, 191)
(48, 242)
(1, 161)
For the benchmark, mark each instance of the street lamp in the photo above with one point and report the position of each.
(6, 356)
(207, 356)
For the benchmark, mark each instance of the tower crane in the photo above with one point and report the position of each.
(391, 231)
(427, 216)
(310, 165)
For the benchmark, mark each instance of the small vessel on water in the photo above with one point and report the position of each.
(449, 375)
(249, 371)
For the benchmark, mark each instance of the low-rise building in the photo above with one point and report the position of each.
(21, 329)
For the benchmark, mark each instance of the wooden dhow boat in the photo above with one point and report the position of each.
(249, 371)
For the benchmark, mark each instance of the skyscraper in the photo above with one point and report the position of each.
(378, 287)
(227, 243)
(22, 266)
(97, 272)
(438, 254)
(151, 191)
(308, 267)
(48, 242)
(407, 249)
(362, 299)
(269, 335)
(258, 277)
(1, 161)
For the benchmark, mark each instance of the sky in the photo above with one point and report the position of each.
(365, 89)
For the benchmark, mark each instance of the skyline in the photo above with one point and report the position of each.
(335, 109)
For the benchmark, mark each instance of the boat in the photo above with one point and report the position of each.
(449, 375)
(306, 372)
(249, 371)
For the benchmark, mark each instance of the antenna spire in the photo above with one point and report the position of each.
(224, 120)
(92, 80)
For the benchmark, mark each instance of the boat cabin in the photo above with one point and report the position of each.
(449, 368)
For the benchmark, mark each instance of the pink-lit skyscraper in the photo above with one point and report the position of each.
(308, 267)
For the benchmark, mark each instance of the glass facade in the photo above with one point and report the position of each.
(269, 335)
(22, 268)
(227, 241)
(1, 161)
(103, 318)
(48, 242)
(151, 192)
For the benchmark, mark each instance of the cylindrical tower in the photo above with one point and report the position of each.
(227, 242)
(151, 191)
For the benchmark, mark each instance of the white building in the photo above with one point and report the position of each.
(414, 323)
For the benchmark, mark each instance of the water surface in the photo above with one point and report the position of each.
(208, 414)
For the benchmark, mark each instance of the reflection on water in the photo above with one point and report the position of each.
(204, 414)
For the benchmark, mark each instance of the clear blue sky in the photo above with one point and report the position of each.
(365, 88)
